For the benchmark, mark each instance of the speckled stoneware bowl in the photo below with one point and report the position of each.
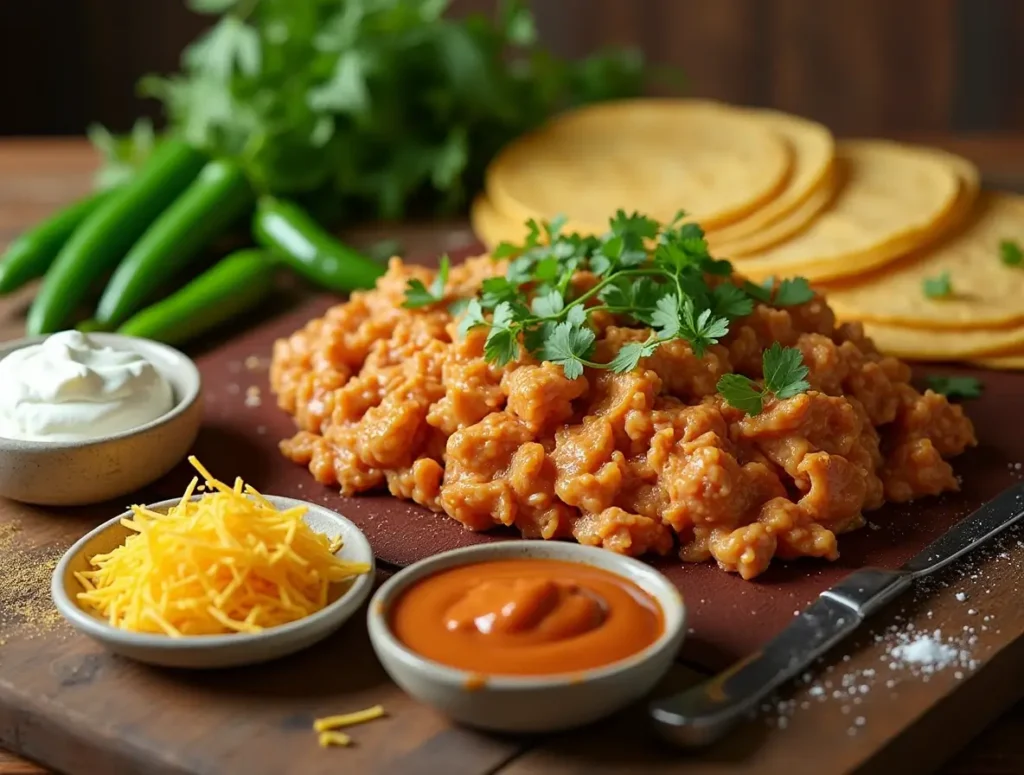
(544, 703)
(84, 472)
(214, 651)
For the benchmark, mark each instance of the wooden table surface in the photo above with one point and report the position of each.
(37, 176)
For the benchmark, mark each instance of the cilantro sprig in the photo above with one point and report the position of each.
(953, 386)
(419, 295)
(1010, 253)
(374, 108)
(658, 277)
(785, 376)
(790, 292)
(645, 274)
(938, 287)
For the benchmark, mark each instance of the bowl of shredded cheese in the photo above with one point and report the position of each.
(223, 576)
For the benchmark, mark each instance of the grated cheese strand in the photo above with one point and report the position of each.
(348, 719)
(226, 562)
(327, 739)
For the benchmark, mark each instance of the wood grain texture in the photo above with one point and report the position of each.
(226, 714)
(859, 65)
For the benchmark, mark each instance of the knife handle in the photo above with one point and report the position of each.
(701, 715)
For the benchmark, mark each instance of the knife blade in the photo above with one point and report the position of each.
(703, 714)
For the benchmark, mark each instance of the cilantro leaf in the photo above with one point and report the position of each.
(665, 317)
(634, 224)
(1010, 253)
(569, 346)
(716, 266)
(505, 250)
(473, 318)
(618, 293)
(418, 295)
(554, 227)
(502, 345)
(742, 393)
(576, 315)
(628, 357)
(792, 292)
(761, 292)
(955, 387)
(939, 287)
(728, 301)
(458, 306)
(784, 371)
(701, 330)
(496, 290)
(548, 305)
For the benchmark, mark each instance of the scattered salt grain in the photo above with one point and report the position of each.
(927, 651)
(960, 597)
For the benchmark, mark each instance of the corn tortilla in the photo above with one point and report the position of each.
(892, 200)
(986, 292)
(783, 229)
(491, 227)
(1001, 362)
(923, 344)
(813, 150)
(648, 155)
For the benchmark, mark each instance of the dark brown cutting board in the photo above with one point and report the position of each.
(66, 702)
(240, 439)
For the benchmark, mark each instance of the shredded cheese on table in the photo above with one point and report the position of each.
(227, 562)
(334, 738)
(328, 725)
(348, 719)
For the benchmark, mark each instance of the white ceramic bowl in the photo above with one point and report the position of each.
(84, 472)
(210, 651)
(527, 703)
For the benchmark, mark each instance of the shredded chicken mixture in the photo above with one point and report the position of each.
(649, 461)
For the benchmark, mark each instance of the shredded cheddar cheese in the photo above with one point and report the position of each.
(327, 739)
(327, 727)
(348, 719)
(226, 562)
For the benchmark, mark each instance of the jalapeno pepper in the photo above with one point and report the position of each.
(31, 254)
(104, 237)
(203, 212)
(235, 284)
(288, 231)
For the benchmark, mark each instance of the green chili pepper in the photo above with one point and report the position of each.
(104, 237)
(235, 284)
(31, 254)
(286, 229)
(90, 326)
(203, 212)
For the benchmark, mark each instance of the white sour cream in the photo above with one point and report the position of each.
(69, 388)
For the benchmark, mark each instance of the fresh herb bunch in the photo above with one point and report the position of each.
(645, 274)
(372, 107)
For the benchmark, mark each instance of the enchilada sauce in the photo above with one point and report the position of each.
(526, 617)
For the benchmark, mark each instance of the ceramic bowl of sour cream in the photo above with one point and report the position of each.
(85, 418)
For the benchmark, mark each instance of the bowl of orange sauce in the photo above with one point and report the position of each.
(527, 636)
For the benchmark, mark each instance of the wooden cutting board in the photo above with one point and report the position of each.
(65, 702)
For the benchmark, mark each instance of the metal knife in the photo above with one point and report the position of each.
(701, 715)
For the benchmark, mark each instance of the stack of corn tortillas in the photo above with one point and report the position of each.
(897, 236)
